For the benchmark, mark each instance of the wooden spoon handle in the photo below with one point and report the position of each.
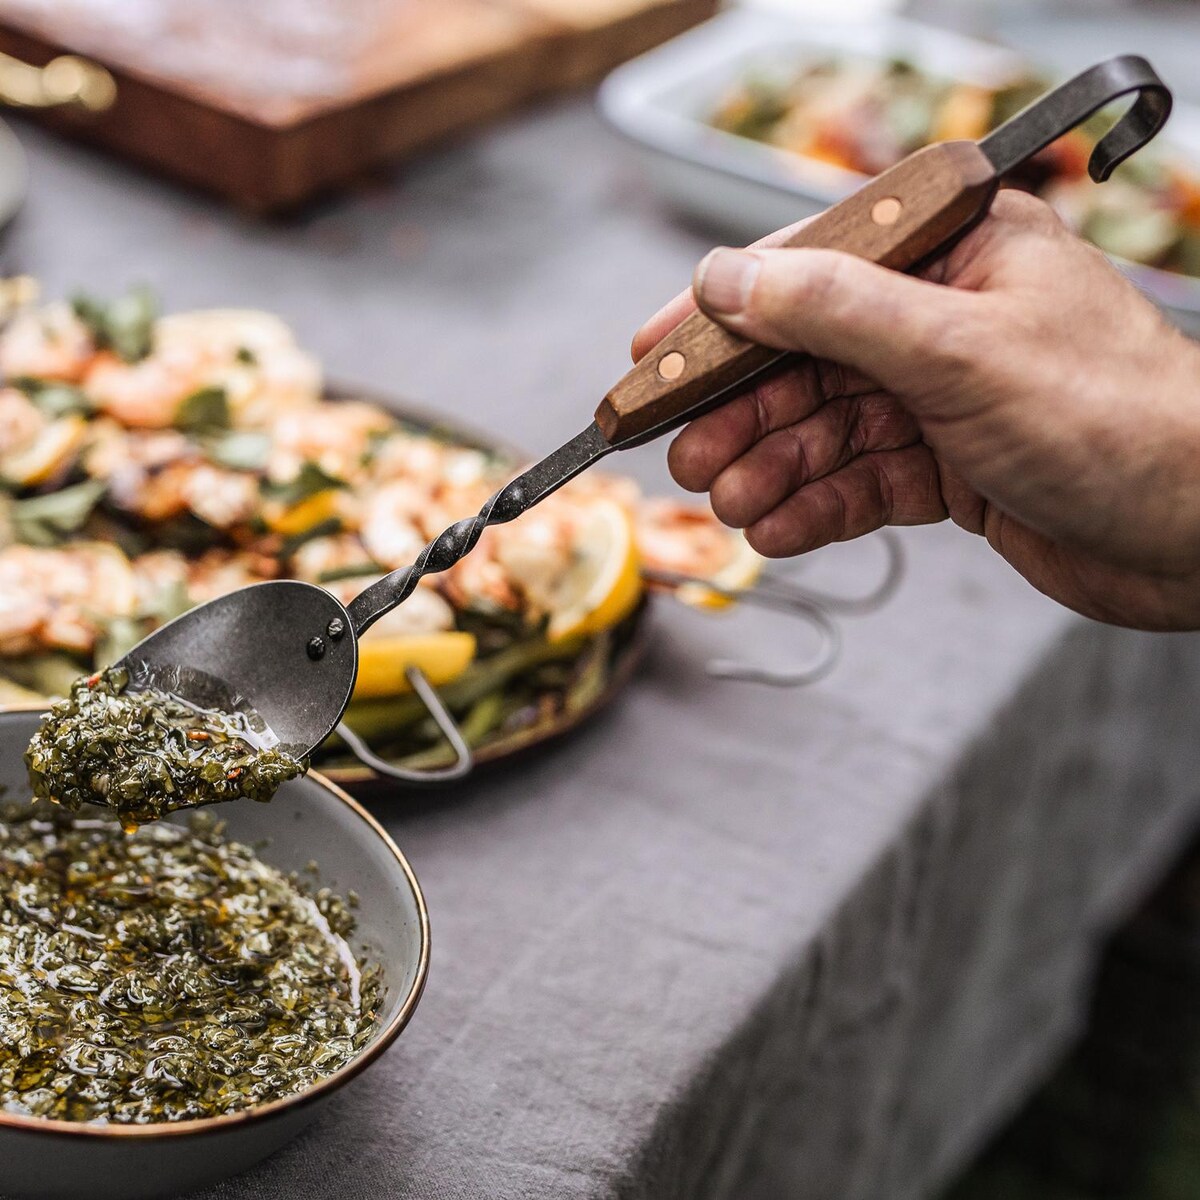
(898, 220)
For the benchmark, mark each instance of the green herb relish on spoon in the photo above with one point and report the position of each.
(147, 753)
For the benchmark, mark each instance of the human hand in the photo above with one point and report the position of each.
(1038, 400)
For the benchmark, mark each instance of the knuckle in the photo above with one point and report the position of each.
(857, 421)
(799, 458)
(885, 495)
(1030, 212)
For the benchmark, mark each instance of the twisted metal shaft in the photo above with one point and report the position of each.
(451, 545)
(460, 539)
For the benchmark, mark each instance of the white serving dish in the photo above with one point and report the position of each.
(743, 188)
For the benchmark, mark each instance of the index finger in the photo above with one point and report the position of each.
(683, 305)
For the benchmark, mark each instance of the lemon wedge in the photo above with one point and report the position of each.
(442, 655)
(740, 572)
(50, 450)
(603, 583)
(293, 519)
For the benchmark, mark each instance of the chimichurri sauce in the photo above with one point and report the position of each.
(147, 753)
(165, 975)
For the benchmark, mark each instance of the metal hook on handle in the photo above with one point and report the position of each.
(1070, 104)
(463, 759)
(784, 595)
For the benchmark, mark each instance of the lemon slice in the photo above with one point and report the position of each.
(382, 661)
(293, 519)
(51, 449)
(740, 572)
(603, 583)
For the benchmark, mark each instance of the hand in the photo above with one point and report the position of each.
(1038, 400)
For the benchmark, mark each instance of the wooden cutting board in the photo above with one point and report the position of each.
(270, 102)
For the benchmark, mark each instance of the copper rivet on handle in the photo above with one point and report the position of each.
(671, 366)
(886, 211)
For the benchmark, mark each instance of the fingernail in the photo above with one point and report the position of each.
(725, 279)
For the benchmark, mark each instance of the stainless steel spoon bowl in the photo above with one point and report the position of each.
(250, 650)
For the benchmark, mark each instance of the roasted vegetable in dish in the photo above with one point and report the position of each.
(149, 463)
(146, 753)
(167, 975)
(863, 115)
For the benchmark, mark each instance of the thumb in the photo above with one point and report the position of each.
(894, 328)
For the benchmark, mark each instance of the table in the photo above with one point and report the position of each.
(727, 941)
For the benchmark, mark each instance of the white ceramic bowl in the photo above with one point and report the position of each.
(744, 188)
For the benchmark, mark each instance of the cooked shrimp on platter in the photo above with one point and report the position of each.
(49, 343)
(60, 598)
(335, 437)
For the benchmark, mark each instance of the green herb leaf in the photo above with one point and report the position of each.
(54, 399)
(239, 449)
(203, 411)
(120, 636)
(353, 571)
(308, 481)
(125, 325)
(47, 520)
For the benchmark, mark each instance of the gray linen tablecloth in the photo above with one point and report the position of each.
(727, 941)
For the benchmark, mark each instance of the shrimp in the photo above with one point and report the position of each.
(425, 611)
(684, 538)
(402, 456)
(146, 394)
(339, 551)
(391, 529)
(596, 485)
(537, 551)
(158, 474)
(160, 577)
(46, 343)
(253, 357)
(219, 497)
(337, 437)
(479, 580)
(143, 468)
(60, 598)
(20, 421)
(218, 572)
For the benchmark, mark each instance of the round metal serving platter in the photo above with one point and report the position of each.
(627, 639)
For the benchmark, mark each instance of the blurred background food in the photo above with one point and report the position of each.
(865, 115)
(757, 118)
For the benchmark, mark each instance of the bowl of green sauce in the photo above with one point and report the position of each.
(179, 1001)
